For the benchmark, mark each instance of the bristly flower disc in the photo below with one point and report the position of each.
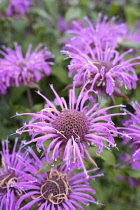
(72, 129)
(58, 188)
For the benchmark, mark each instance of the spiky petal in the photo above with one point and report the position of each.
(72, 129)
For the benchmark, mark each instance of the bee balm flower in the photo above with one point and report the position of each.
(15, 69)
(71, 128)
(58, 188)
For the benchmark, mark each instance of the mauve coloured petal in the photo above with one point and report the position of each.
(66, 207)
(77, 205)
(30, 204)
(17, 69)
(42, 206)
(71, 130)
(83, 189)
(16, 172)
(36, 186)
(70, 205)
(81, 199)
(99, 63)
(18, 6)
(136, 155)
(130, 131)
(27, 195)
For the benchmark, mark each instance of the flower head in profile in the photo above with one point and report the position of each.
(18, 7)
(71, 128)
(12, 175)
(15, 69)
(105, 70)
(87, 33)
(131, 130)
(58, 188)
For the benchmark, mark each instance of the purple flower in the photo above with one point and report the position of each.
(103, 30)
(131, 131)
(58, 188)
(105, 70)
(72, 128)
(18, 7)
(12, 175)
(132, 34)
(134, 165)
(15, 69)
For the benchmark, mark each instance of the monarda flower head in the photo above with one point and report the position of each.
(12, 175)
(131, 131)
(58, 188)
(15, 69)
(106, 31)
(105, 70)
(72, 129)
(18, 7)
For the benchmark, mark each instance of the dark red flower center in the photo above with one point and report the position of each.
(71, 123)
(55, 188)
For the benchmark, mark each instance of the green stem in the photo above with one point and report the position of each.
(30, 101)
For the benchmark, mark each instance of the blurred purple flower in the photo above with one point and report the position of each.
(132, 34)
(134, 165)
(105, 69)
(61, 25)
(18, 7)
(12, 175)
(131, 130)
(15, 69)
(72, 129)
(106, 31)
(58, 188)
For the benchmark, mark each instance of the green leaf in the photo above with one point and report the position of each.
(133, 173)
(42, 170)
(113, 9)
(17, 93)
(102, 99)
(73, 13)
(109, 170)
(61, 74)
(133, 45)
(108, 157)
(47, 167)
(42, 13)
(132, 14)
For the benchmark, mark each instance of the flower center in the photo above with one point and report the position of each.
(103, 64)
(71, 123)
(5, 181)
(22, 64)
(56, 187)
